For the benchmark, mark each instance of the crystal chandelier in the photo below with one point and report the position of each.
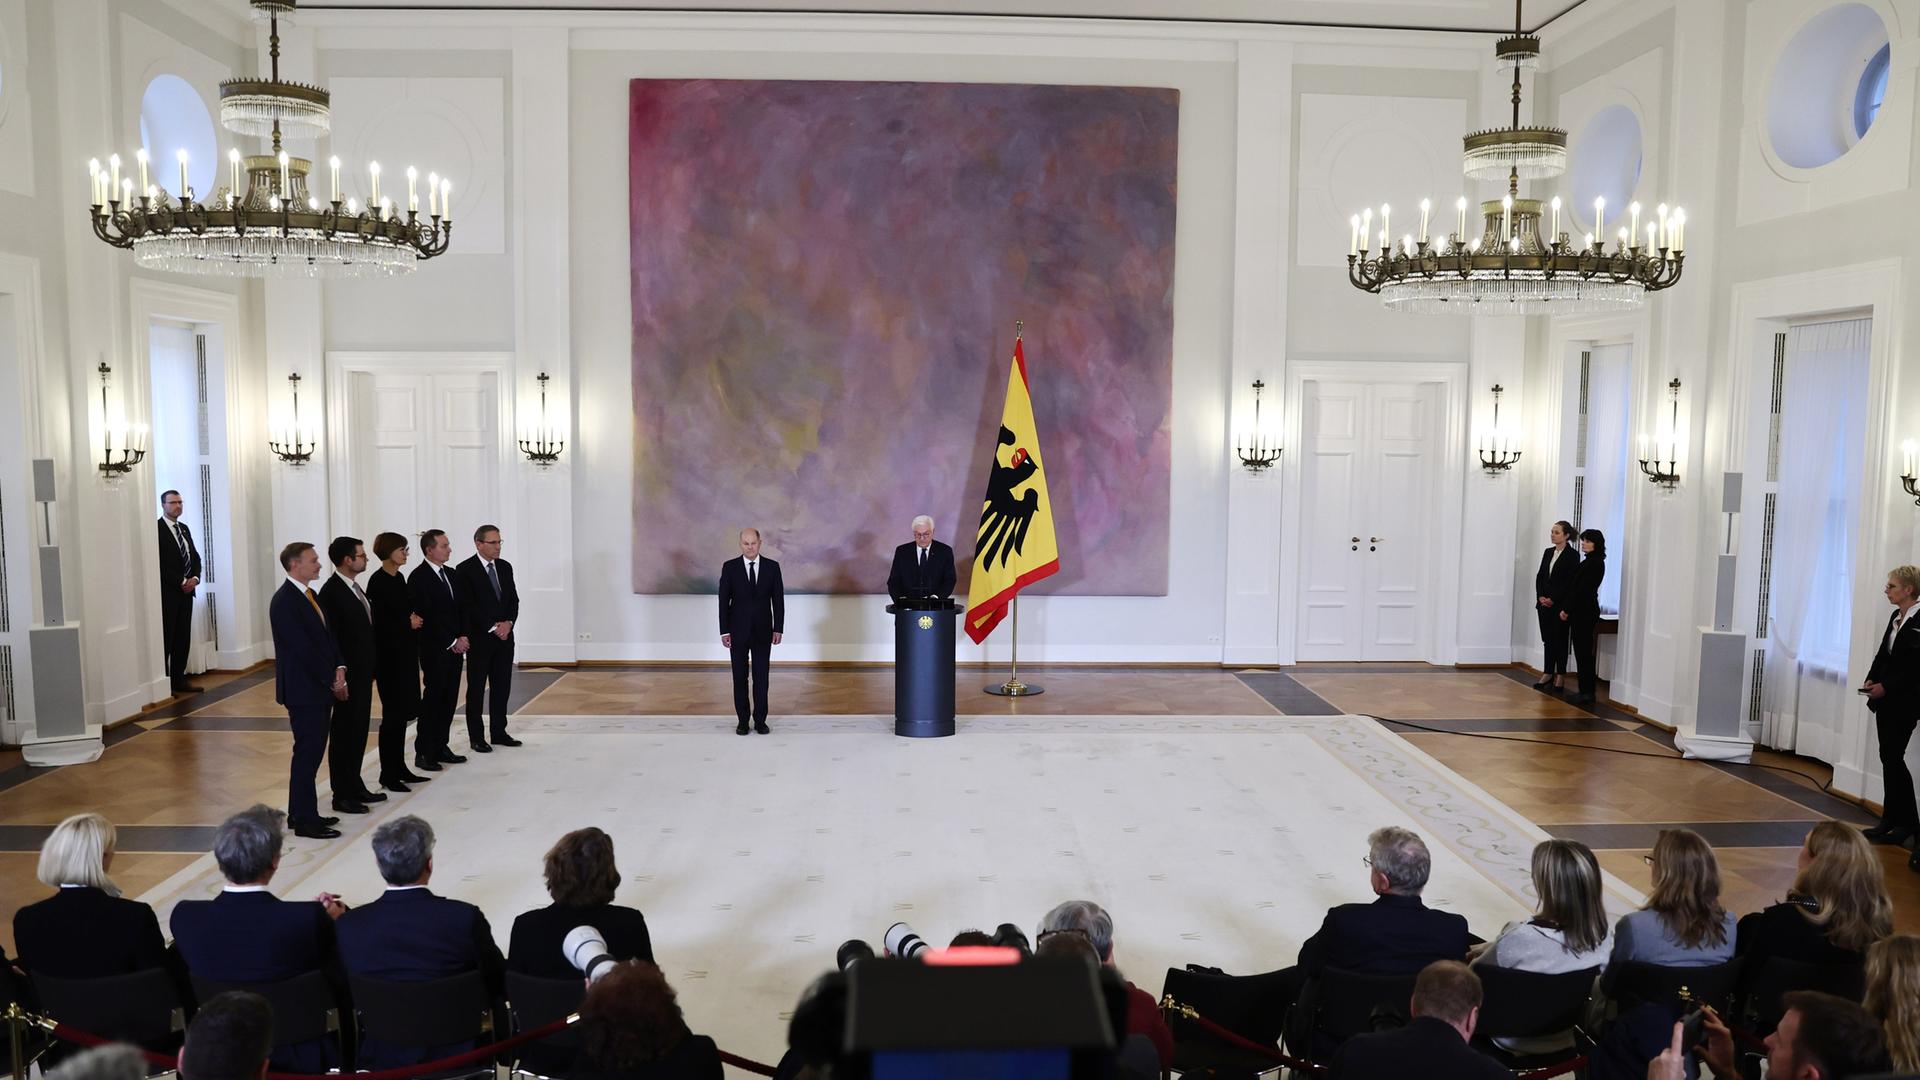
(1508, 267)
(270, 225)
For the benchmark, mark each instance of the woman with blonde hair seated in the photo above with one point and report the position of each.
(1837, 908)
(1569, 932)
(1893, 997)
(1683, 924)
(86, 929)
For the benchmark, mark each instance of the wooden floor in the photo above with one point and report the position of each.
(1595, 775)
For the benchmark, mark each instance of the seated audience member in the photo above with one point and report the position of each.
(631, 1029)
(229, 1039)
(1837, 907)
(86, 929)
(1134, 1055)
(581, 879)
(970, 938)
(1683, 924)
(411, 935)
(246, 934)
(1569, 932)
(1435, 1045)
(1893, 997)
(1820, 1037)
(1090, 920)
(114, 1061)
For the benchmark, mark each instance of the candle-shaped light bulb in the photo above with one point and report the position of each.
(1506, 215)
(333, 176)
(353, 206)
(93, 181)
(1625, 240)
(386, 208)
(140, 155)
(1366, 226)
(1513, 244)
(1679, 240)
(113, 162)
(1460, 205)
(313, 203)
(1474, 245)
(373, 174)
(233, 176)
(1554, 236)
(1666, 238)
(1652, 232)
(446, 199)
(273, 202)
(182, 156)
(433, 197)
(1406, 244)
(1386, 220)
(413, 201)
(1425, 207)
(1633, 219)
(1907, 452)
(1599, 216)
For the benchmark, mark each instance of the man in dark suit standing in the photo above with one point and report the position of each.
(350, 618)
(308, 677)
(411, 935)
(922, 568)
(443, 642)
(753, 609)
(179, 577)
(492, 607)
(1893, 694)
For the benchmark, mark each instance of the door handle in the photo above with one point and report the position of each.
(1356, 544)
(1372, 539)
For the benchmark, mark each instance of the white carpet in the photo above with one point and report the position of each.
(1216, 840)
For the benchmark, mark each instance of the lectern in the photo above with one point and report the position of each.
(923, 667)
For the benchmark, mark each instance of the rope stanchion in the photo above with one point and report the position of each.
(1235, 1039)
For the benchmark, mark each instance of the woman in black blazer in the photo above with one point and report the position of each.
(581, 878)
(1581, 611)
(86, 929)
(1551, 583)
(397, 659)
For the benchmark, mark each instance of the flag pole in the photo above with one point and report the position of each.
(1013, 687)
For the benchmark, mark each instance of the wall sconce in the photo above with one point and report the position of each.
(1909, 478)
(542, 444)
(1497, 453)
(1256, 452)
(1664, 470)
(122, 445)
(293, 444)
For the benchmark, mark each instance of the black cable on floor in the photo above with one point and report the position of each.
(1825, 786)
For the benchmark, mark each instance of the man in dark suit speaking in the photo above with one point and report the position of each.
(922, 568)
(753, 609)
(308, 677)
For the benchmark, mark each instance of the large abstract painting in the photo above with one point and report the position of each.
(826, 280)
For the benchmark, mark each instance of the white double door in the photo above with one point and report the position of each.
(1369, 472)
(425, 455)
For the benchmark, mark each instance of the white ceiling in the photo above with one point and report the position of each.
(1481, 15)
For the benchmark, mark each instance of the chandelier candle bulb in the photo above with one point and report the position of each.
(1506, 215)
(1633, 219)
(373, 174)
(1679, 229)
(93, 181)
(1599, 216)
(1666, 238)
(446, 199)
(413, 201)
(1625, 240)
(233, 175)
(1460, 205)
(1589, 241)
(1554, 236)
(140, 155)
(1425, 207)
(333, 176)
(353, 207)
(113, 162)
(1386, 219)
(1907, 454)
(286, 189)
(1651, 232)
(1366, 228)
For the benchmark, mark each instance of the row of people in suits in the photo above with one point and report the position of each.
(408, 635)
(1567, 603)
(245, 935)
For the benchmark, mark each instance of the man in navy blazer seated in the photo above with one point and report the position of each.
(753, 611)
(247, 935)
(411, 935)
(1435, 1045)
(308, 677)
(923, 567)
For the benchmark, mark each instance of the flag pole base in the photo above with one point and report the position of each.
(1014, 688)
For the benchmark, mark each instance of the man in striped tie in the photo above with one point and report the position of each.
(308, 677)
(492, 606)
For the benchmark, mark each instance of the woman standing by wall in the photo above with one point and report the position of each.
(1581, 612)
(1551, 585)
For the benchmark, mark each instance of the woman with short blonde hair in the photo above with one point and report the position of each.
(86, 929)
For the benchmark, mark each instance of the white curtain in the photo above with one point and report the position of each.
(1822, 421)
(1604, 498)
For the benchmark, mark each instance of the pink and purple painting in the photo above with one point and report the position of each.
(826, 280)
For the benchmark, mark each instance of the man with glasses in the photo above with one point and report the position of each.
(492, 605)
(1091, 921)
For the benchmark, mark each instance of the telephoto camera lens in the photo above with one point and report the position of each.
(586, 949)
(903, 942)
(852, 952)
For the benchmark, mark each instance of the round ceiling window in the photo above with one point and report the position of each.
(1604, 162)
(1827, 85)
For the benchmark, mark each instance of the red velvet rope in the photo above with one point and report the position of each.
(471, 1057)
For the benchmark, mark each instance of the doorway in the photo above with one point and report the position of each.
(181, 373)
(1369, 507)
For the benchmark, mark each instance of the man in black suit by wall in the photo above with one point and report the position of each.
(350, 618)
(179, 577)
(492, 607)
(308, 677)
(753, 610)
(922, 567)
(443, 642)
(1892, 687)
